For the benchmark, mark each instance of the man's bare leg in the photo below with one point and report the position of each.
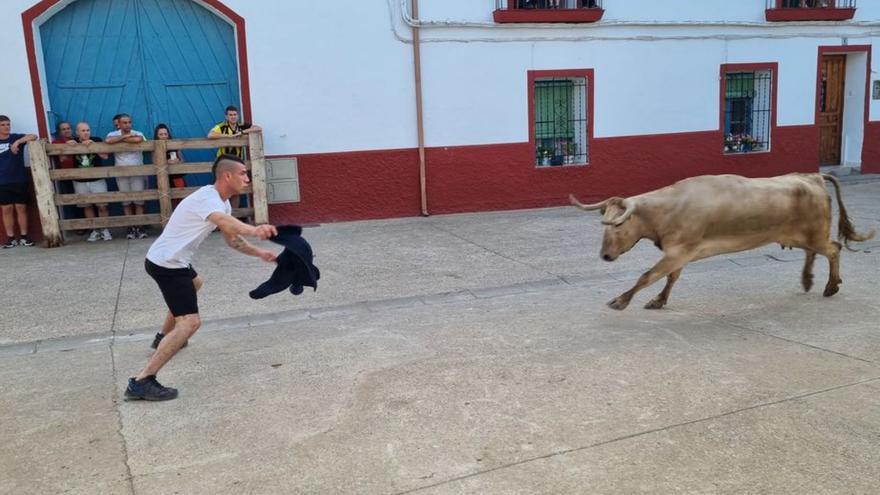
(184, 327)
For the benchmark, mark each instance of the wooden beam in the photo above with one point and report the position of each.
(110, 222)
(45, 192)
(83, 149)
(242, 212)
(107, 197)
(258, 178)
(101, 172)
(189, 144)
(163, 183)
(196, 167)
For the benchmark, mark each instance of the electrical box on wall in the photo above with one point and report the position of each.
(876, 92)
(282, 180)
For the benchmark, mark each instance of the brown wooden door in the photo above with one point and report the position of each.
(831, 108)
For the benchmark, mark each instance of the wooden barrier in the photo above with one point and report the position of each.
(48, 200)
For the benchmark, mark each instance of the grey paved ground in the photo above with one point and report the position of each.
(454, 354)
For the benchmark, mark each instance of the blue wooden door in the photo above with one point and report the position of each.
(162, 61)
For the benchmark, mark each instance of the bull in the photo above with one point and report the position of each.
(709, 215)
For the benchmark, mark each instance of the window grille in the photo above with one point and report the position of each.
(811, 4)
(747, 111)
(561, 121)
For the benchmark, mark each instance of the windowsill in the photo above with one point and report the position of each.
(564, 165)
(745, 153)
(547, 15)
(809, 14)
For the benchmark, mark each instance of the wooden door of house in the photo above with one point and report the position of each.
(831, 108)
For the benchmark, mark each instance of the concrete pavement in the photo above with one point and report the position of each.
(453, 354)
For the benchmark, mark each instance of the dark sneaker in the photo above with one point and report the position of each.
(24, 241)
(140, 233)
(131, 234)
(10, 243)
(148, 389)
(159, 337)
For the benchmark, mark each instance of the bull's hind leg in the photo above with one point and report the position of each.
(660, 300)
(831, 250)
(664, 267)
(807, 275)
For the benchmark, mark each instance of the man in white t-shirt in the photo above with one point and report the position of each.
(169, 259)
(125, 134)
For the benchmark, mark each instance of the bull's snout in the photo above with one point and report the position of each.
(607, 257)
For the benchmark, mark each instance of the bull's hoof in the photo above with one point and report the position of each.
(807, 282)
(655, 303)
(830, 290)
(618, 303)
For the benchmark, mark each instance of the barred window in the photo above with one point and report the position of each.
(747, 111)
(561, 121)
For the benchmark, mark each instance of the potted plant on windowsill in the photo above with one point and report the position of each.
(571, 152)
(542, 155)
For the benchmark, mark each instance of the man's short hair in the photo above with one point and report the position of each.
(231, 108)
(59, 124)
(121, 116)
(116, 117)
(224, 158)
(4, 118)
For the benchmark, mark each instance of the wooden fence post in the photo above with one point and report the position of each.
(163, 183)
(258, 178)
(45, 190)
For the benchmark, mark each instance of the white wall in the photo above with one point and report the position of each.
(16, 96)
(853, 109)
(338, 76)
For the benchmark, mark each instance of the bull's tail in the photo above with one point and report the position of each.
(846, 232)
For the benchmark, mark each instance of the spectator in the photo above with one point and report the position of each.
(63, 134)
(116, 121)
(90, 186)
(125, 134)
(13, 183)
(231, 128)
(163, 132)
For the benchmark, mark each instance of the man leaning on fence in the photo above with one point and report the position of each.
(231, 127)
(13, 183)
(125, 134)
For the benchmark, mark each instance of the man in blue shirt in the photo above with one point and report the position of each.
(13, 183)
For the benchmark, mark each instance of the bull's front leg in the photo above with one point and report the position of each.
(664, 267)
(660, 300)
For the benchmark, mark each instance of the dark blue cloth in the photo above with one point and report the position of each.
(11, 165)
(294, 269)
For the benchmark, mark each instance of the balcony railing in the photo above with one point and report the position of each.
(571, 11)
(810, 10)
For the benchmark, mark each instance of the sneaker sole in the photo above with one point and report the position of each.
(130, 398)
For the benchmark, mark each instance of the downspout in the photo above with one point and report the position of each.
(420, 122)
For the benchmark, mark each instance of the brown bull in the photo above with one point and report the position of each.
(715, 214)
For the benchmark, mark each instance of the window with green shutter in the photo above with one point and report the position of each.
(560, 121)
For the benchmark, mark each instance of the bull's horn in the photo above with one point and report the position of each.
(629, 207)
(595, 206)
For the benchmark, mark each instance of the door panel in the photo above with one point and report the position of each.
(103, 57)
(831, 108)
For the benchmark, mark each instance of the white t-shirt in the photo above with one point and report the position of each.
(124, 158)
(187, 228)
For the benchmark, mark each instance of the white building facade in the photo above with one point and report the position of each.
(522, 101)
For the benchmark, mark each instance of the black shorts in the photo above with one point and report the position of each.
(16, 193)
(177, 287)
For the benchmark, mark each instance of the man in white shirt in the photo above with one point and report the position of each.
(168, 262)
(125, 134)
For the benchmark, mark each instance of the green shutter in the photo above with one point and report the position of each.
(740, 85)
(553, 116)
